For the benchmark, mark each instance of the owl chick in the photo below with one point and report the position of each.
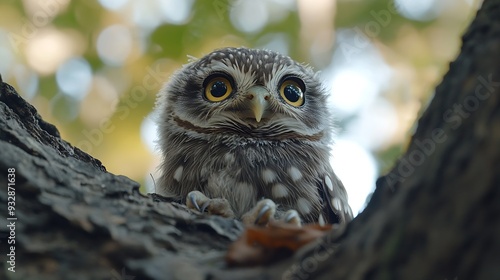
(246, 133)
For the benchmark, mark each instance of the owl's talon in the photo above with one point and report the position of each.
(204, 206)
(261, 213)
(192, 197)
(292, 217)
(213, 206)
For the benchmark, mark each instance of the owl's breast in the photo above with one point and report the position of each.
(247, 171)
(287, 173)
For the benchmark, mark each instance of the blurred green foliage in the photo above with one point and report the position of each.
(418, 51)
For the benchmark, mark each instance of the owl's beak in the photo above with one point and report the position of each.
(259, 97)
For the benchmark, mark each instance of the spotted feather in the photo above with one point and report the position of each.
(242, 125)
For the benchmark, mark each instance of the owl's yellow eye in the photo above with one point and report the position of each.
(218, 89)
(292, 92)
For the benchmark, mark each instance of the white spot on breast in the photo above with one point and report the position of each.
(269, 176)
(304, 206)
(337, 204)
(279, 191)
(178, 173)
(321, 220)
(294, 173)
(328, 183)
(231, 56)
(266, 56)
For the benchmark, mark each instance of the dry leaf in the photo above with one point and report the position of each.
(262, 245)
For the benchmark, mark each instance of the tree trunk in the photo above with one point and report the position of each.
(436, 215)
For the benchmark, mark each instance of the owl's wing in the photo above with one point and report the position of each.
(336, 209)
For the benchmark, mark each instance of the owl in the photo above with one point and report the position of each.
(246, 133)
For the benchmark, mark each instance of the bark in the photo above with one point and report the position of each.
(434, 216)
(75, 220)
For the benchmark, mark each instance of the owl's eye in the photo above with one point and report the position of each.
(218, 88)
(292, 91)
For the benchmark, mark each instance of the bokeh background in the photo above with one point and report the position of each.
(93, 68)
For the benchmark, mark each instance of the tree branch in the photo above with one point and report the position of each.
(434, 216)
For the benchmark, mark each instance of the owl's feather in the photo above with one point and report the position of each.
(219, 149)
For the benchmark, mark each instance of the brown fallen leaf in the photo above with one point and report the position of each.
(262, 245)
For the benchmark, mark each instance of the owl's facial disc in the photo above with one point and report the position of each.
(258, 97)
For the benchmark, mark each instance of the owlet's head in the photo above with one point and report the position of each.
(246, 92)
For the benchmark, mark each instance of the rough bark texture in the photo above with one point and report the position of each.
(436, 215)
(75, 220)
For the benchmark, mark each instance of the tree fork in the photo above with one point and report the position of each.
(434, 216)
